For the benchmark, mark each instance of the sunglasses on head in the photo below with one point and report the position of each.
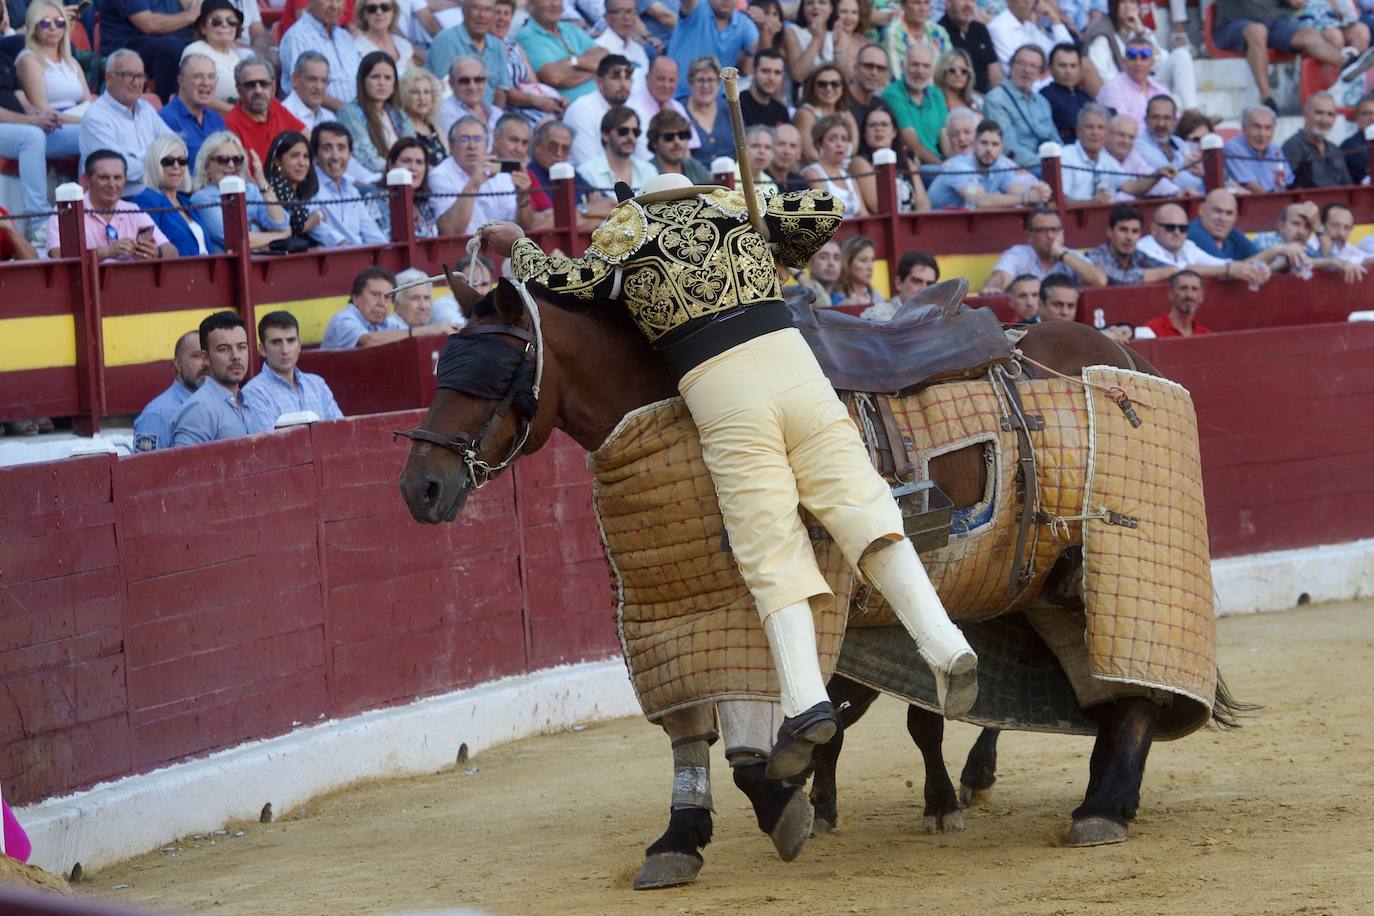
(1139, 53)
(685, 134)
(623, 131)
(45, 25)
(227, 160)
(1173, 227)
(169, 161)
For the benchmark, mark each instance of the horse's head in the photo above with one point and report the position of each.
(485, 405)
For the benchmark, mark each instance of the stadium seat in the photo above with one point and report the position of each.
(1314, 76)
(1209, 21)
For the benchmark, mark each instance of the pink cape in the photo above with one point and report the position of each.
(17, 844)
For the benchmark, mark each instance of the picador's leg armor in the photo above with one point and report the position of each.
(809, 718)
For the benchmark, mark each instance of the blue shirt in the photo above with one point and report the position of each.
(944, 190)
(1026, 120)
(153, 427)
(268, 397)
(178, 117)
(108, 124)
(174, 225)
(343, 223)
(1064, 105)
(697, 35)
(1236, 247)
(1241, 167)
(211, 414)
(116, 31)
(719, 142)
(455, 42)
(345, 328)
(212, 218)
(543, 47)
(309, 34)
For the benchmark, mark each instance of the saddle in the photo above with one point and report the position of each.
(932, 337)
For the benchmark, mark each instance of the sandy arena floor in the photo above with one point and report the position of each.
(1274, 818)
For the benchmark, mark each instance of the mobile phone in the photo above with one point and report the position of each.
(145, 234)
(510, 165)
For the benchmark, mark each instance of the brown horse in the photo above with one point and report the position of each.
(593, 367)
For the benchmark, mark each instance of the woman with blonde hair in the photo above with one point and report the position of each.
(954, 77)
(222, 154)
(375, 117)
(167, 194)
(419, 94)
(855, 284)
(824, 93)
(832, 134)
(51, 78)
(375, 22)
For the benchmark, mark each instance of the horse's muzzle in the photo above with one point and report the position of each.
(434, 498)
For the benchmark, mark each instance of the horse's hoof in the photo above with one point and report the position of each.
(793, 828)
(822, 825)
(667, 869)
(952, 822)
(1096, 831)
(969, 796)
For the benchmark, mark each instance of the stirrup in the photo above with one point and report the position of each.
(797, 740)
(956, 687)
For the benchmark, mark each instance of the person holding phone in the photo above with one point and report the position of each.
(471, 171)
(122, 231)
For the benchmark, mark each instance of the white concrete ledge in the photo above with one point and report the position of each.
(1287, 578)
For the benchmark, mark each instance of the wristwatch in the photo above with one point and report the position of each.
(573, 61)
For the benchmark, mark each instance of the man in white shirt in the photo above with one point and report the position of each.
(1019, 25)
(655, 95)
(584, 115)
(470, 170)
(310, 83)
(467, 77)
(1085, 163)
(120, 120)
(318, 29)
(620, 38)
(619, 132)
(1338, 221)
(1153, 181)
(1168, 242)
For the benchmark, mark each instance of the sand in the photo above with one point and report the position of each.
(1273, 818)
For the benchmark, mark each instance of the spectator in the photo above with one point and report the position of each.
(1065, 90)
(374, 117)
(1024, 114)
(561, 54)
(916, 271)
(584, 115)
(1302, 252)
(376, 31)
(961, 127)
(617, 162)
(918, 106)
(913, 26)
(769, 18)
(1185, 298)
(1159, 147)
(759, 142)
(52, 80)
(292, 177)
(258, 117)
(153, 426)
(218, 28)
(967, 32)
(318, 29)
(1215, 232)
(1044, 255)
(472, 38)
(119, 119)
(657, 95)
(1252, 160)
(1118, 257)
(1355, 148)
(13, 245)
(309, 85)
(222, 155)
(1087, 166)
(855, 283)
(217, 410)
(168, 168)
(809, 41)
(1108, 42)
(1168, 243)
(23, 138)
(1130, 90)
(823, 93)
(985, 178)
(510, 145)
(716, 29)
(409, 154)
(669, 134)
(1252, 26)
(760, 103)
(954, 78)
(621, 39)
(415, 306)
(709, 114)
(830, 172)
(127, 234)
(787, 147)
(345, 220)
(871, 76)
(823, 273)
(419, 298)
(1020, 25)
(470, 170)
(367, 320)
(419, 94)
(1149, 181)
(552, 142)
(1194, 125)
(1339, 222)
(880, 132)
(525, 94)
(279, 387)
(1316, 162)
(466, 78)
(1058, 298)
(1024, 294)
(189, 114)
(156, 31)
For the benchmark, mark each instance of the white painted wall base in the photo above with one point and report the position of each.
(130, 816)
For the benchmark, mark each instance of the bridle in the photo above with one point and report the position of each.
(479, 472)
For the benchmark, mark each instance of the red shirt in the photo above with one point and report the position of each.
(258, 136)
(539, 197)
(1163, 327)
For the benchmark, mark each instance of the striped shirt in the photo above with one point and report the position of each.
(268, 396)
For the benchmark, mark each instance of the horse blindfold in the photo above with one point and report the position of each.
(484, 367)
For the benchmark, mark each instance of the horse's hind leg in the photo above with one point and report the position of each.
(673, 858)
(1125, 731)
(980, 769)
(824, 795)
(942, 814)
(780, 807)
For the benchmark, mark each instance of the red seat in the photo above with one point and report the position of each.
(1315, 76)
(9, 167)
(1209, 21)
(80, 40)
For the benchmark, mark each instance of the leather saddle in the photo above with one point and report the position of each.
(932, 337)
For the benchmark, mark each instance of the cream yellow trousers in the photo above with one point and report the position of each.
(774, 436)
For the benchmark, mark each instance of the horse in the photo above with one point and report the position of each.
(464, 441)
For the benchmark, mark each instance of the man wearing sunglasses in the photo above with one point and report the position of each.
(155, 30)
(619, 134)
(468, 79)
(1130, 91)
(189, 114)
(472, 38)
(258, 117)
(966, 32)
(872, 74)
(121, 120)
(669, 134)
(613, 78)
(1168, 243)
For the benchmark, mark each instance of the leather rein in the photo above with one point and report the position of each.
(479, 472)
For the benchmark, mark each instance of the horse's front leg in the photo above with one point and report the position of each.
(980, 769)
(1125, 731)
(673, 858)
(824, 795)
(781, 808)
(942, 814)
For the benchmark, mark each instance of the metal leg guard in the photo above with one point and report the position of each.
(747, 727)
(692, 773)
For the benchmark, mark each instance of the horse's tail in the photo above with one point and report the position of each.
(1227, 711)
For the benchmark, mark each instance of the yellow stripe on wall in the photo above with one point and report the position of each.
(313, 314)
(131, 340)
(42, 342)
(976, 268)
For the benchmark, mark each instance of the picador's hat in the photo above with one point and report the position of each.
(668, 186)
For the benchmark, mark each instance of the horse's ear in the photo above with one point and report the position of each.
(509, 304)
(467, 296)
